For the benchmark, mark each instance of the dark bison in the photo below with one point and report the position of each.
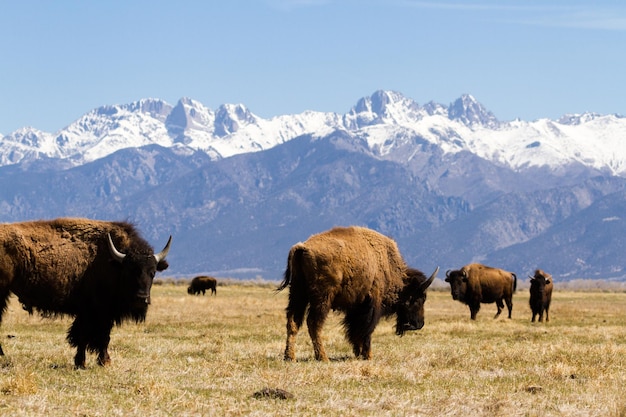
(475, 283)
(359, 272)
(98, 272)
(540, 294)
(201, 284)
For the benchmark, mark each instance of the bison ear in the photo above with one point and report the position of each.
(162, 265)
(548, 281)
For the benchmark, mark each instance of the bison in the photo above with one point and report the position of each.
(357, 271)
(201, 284)
(98, 272)
(475, 283)
(540, 294)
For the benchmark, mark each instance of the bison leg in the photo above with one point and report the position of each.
(103, 356)
(4, 298)
(77, 337)
(359, 324)
(87, 333)
(293, 326)
(295, 316)
(500, 306)
(474, 311)
(315, 321)
(79, 358)
(509, 306)
(547, 316)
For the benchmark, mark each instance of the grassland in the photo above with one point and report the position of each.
(207, 356)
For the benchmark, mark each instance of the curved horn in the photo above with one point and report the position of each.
(161, 255)
(448, 273)
(117, 255)
(430, 280)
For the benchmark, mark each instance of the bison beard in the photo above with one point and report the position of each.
(73, 267)
(357, 271)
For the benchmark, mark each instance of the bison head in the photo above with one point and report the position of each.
(540, 280)
(138, 271)
(458, 283)
(410, 308)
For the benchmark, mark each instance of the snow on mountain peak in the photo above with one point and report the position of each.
(387, 120)
(383, 107)
(469, 111)
(576, 119)
(229, 118)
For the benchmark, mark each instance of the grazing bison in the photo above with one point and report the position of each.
(540, 294)
(359, 272)
(475, 283)
(201, 284)
(98, 272)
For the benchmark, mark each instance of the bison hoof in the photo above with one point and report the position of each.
(104, 362)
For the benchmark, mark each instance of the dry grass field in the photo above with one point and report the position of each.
(207, 356)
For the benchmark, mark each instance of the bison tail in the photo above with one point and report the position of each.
(514, 281)
(288, 271)
(286, 280)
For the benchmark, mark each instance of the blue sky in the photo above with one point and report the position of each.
(528, 59)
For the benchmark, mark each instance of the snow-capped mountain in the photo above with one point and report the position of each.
(450, 183)
(382, 119)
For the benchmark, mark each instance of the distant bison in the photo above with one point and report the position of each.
(540, 294)
(357, 271)
(98, 272)
(475, 283)
(201, 284)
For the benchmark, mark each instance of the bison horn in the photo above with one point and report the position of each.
(448, 273)
(117, 255)
(161, 255)
(430, 280)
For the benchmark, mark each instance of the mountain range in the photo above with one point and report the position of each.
(451, 183)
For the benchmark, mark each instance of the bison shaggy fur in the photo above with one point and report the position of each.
(98, 272)
(201, 284)
(541, 285)
(359, 272)
(474, 284)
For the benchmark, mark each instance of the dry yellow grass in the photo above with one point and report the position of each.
(206, 355)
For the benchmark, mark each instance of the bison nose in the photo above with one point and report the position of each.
(413, 326)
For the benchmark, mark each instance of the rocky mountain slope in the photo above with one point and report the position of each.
(451, 183)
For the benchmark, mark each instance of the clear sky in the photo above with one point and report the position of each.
(520, 58)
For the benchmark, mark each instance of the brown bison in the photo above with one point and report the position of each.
(201, 284)
(98, 272)
(475, 283)
(357, 271)
(540, 294)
